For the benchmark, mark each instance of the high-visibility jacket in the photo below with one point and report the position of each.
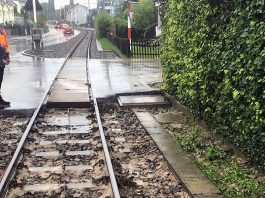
(3, 41)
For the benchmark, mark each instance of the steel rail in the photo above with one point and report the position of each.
(113, 181)
(9, 172)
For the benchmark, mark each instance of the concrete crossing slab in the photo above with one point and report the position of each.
(71, 88)
(110, 78)
(142, 100)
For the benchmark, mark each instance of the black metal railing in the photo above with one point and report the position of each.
(121, 43)
(137, 48)
(145, 49)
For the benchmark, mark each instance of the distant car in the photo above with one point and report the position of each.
(57, 26)
(68, 30)
(63, 26)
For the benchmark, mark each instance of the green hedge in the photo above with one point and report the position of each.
(213, 61)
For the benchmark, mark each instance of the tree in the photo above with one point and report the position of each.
(104, 24)
(29, 6)
(72, 3)
(144, 16)
(91, 16)
(51, 10)
(120, 9)
(45, 9)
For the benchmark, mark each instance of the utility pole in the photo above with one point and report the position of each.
(89, 21)
(34, 11)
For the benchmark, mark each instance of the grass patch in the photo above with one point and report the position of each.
(233, 176)
(107, 45)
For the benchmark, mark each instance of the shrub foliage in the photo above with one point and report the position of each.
(213, 61)
(104, 24)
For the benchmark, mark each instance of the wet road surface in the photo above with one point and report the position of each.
(26, 79)
(109, 78)
(54, 36)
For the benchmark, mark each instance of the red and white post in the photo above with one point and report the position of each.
(129, 23)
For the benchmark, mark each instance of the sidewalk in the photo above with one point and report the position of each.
(111, 77)
(27, 79)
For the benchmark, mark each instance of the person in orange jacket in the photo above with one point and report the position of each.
(4, 60)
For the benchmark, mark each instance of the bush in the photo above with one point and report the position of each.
(121, 27)
(213, 61)
(104, 24)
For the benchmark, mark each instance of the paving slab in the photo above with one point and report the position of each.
(115, 77)
(195, 181)
(71, 88)
(27, 79)
(167, 118)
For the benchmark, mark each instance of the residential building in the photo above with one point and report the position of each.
(77, 14)
(106, 6)
(7, 14)
(19, 4)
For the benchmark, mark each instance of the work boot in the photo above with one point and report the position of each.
(4, 103)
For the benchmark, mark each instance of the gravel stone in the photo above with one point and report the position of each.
(11, 131)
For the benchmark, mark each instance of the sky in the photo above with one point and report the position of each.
(59, 3)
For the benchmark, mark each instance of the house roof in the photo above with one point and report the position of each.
(29, 5)
(8, 2)
(77, 4)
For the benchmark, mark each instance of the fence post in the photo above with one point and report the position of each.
(128, 49)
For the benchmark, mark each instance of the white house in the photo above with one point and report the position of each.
(77, 14)
(108, 6)
(19, 4)
(7, 11)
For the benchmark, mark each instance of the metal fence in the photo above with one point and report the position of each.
(137, 48)
(121, 43)
(145, 49)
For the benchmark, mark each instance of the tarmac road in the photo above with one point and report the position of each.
(54, 36)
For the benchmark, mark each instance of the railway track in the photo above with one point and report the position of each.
(62, 153)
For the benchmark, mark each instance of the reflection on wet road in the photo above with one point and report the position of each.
(120, 76)
(54, 36)
(26, 79)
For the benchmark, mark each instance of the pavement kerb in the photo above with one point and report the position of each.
(100, 49)
(30, 55)
(194, 181)
(34, 56)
